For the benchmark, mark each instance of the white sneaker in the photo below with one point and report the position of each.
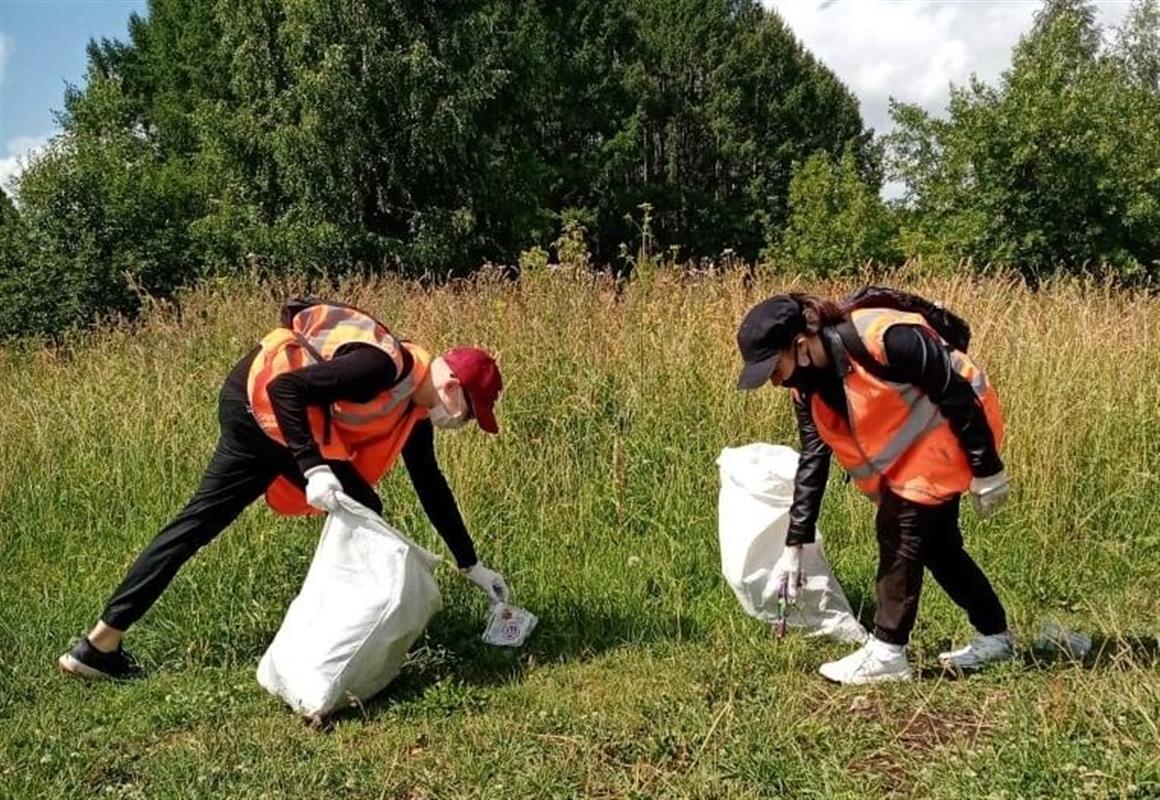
(872, 662)
(981, 651)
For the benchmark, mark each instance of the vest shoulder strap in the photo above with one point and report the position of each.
(853, 344)
(408, 361)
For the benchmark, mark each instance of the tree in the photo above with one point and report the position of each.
(1057, 166)
(725, 101)
(8, 211)
(331, 135)
(1138, 44)
(103, 216)
(837, 222)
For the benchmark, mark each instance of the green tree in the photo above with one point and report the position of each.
(12, 264)
(1138, 43)
(427, 137)
(725, 101)
(8, 211)
(1056, 166)
(837, 222)
(103, 217)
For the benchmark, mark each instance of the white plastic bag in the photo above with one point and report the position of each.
(757, 483)
(367, 597)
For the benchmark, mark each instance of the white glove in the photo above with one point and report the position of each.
(490, 581)
(789, 568)
(322, 487)
(989, 493)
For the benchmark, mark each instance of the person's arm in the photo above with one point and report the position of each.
(920, 358)
(435, 495)
(357, 373)
(813, 471)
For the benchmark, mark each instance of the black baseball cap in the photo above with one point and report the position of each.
(767, 330)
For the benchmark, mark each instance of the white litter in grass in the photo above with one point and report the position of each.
(1054, 638)
(509, 626)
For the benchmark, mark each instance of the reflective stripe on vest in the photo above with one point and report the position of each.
(370, 435)
(379, 407)
(905, 440)
(923, 416)
(316, 335)
(325, 328)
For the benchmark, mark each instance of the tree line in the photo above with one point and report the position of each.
(323, 136)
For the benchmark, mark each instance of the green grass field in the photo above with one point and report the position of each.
(598, 502)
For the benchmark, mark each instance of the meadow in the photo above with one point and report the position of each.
(598, 501)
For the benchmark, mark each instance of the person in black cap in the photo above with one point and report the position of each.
(916, 425)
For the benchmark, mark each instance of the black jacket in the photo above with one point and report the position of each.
(357, 373)
(918, 358)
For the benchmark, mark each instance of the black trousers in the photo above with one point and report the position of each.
(244, 463)
(913, 536)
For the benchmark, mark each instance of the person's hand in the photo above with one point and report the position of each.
(490, 581)
(789, 569)
(322, 488)
(991, 492)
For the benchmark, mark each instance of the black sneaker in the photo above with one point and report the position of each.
(86, 661)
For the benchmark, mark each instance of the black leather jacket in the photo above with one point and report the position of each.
(920, 359)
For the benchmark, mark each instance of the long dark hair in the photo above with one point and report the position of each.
(819, 311)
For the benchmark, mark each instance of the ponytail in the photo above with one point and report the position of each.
(820, 312)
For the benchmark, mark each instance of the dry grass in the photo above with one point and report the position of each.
(644, 679)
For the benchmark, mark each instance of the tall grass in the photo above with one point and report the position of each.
(598, 501)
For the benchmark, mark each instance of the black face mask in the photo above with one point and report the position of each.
(805, 379)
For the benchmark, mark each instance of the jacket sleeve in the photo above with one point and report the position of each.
(435, 495)
(812, 473)
(921, 359)
(357, 373)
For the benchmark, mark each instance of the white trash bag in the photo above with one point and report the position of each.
(757, 483)
(367, 597)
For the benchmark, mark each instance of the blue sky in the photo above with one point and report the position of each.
(908, 49)
(42, 47)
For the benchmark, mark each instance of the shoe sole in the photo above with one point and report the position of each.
(949, 664)
(78, 669)
(900, 677)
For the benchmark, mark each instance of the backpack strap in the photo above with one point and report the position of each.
(954, 330)
(294, 306)
(848, 336)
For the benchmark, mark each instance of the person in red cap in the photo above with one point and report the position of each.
(326, 403)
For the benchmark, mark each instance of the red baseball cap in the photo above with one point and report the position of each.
(479, 376)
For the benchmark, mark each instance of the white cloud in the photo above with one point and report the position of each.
(875, 76)
(5, 54)
(913, 49)
(18, 151)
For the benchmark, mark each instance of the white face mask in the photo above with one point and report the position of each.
(442, 418)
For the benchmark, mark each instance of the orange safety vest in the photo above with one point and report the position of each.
(370, 435)
(896, 436)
